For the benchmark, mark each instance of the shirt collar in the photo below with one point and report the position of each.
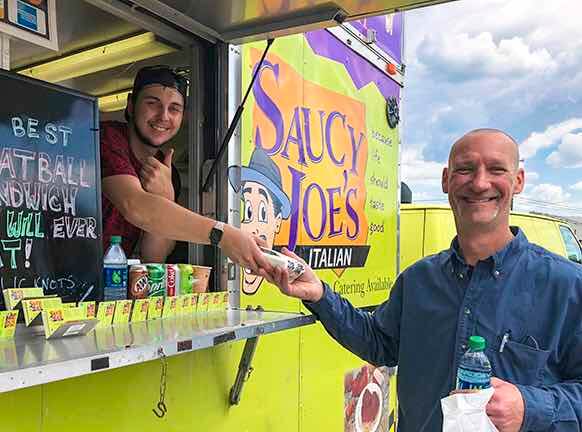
(501, 259)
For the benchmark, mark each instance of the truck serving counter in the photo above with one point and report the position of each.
(30, 359)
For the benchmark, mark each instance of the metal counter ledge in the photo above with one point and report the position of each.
(29, 359)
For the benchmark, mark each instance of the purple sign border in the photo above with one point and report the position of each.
(391, 43)
(361, 71)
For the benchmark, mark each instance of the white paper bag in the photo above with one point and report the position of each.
(465, 412)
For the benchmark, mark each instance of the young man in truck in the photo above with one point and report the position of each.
(524, 300)
(138, 192)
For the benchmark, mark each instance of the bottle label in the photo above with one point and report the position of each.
(157, 279)
(115, 278)
(472, 380)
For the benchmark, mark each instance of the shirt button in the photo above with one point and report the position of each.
(467, 311)
(464, 347)
(496, 273)
(460, 275)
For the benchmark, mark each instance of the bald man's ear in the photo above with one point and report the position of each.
(519, 181)
(445, 180)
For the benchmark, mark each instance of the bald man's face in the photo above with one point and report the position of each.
(481, 179)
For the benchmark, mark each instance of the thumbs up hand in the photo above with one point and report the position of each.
(156, 176)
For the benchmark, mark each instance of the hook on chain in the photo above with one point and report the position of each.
(162, 410)
(161, 406)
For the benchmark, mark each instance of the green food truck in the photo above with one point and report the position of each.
(292, 133)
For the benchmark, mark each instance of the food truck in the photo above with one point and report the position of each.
(292, 133)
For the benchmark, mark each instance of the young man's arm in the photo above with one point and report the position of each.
(155, 249)
(162, 217)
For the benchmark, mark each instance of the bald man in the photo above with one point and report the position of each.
(524, 300)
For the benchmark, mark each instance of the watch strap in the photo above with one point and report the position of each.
(216, 233)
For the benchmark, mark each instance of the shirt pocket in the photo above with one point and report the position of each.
(519, 363)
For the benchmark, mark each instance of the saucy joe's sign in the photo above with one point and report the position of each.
(319, 162)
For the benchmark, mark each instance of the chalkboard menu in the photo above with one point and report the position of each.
(50, 191)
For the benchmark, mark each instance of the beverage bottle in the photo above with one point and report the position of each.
(115, 271)
(474, 372)
(186, 278)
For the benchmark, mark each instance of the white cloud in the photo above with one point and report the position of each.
(547, 25)
(491, 63)
(505, 19)
(441, 112)
(545, 198)
(568, 154)
(465, 56)
(548, 198)
(511, 64)
(550, 137)
(547, 193)
(417, 171)
(424, 196)
(577, 186)
(531, 176)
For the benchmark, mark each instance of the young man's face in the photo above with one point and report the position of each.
(259, 219)
(481, 179)
(157, 114)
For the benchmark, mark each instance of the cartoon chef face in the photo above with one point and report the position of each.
(262, 218)
(265, 204)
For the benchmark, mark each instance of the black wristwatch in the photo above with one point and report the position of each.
(216, 233)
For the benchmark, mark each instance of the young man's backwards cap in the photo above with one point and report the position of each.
(162, 75)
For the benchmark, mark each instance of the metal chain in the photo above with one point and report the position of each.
(163, 377)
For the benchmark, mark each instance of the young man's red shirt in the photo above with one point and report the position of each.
(117, 158)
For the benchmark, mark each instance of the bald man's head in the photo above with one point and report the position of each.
(481, 178)
(494, 133)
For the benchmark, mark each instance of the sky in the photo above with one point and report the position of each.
(514, 65)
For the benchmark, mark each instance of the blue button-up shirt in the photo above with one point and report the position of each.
(523, 294)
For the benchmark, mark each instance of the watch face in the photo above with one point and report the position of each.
(215, 236)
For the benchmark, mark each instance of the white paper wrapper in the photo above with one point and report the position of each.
(465, 412)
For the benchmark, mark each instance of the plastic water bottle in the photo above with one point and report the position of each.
(474, 372)
(115, 271)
